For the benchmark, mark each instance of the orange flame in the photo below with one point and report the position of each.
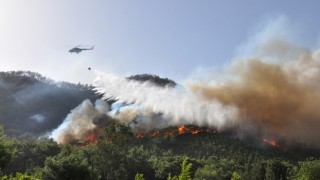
(140, 135)
(91, 138)
(272, 142)
(151, 134)
(170, 134)
(189, 130)
(182, 129)
(154, 133)
(197, 131)
(174, 132)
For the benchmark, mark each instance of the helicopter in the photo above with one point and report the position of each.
(78, 49)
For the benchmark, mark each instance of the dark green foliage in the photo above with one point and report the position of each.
(31, 154)
(275, 169)
(6, 150)
(109, 160)
(138, 159)
(185, 170)
(256, 171)
(309, 169)
(166, 164)
(118, 134)
(139, 177)
(70, 163)
(208, 172)
(119, 155)
(268, 169)
(19, 176)
(235, 176)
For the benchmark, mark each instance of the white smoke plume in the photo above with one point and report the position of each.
(279, 99)
(80, 121)
(273, 91)
(178, 105)
(139, 118)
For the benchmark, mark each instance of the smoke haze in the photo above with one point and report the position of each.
(279, 98)
(272, 92)
(178, 105)
(81, 120)
(283, 100)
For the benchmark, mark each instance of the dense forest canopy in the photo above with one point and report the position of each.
(119, 154)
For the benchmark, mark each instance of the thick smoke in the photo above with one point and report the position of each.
(82, 120)
(273, 92)
(140, 119)
(281, 99)
(178, 105)
(31, 104)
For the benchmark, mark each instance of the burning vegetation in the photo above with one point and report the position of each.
(92, 138)
(175, 131)
(271, 142)
(99, 133)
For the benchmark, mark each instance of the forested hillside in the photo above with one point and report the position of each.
(120, 154)
(32, 105)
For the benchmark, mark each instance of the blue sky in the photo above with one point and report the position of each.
(171, 38)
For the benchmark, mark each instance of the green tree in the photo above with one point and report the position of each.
(164, 164)
(235, 176)
(69, 164)
(257, 172)
(208, 172)
(172, 178)
(6, 150)
(185, 171)
(139, 177)
(119, 134)
(31, 153)
(19, 176)
(309, 169)
(275, 169)
(138, 160)
(109, 160)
